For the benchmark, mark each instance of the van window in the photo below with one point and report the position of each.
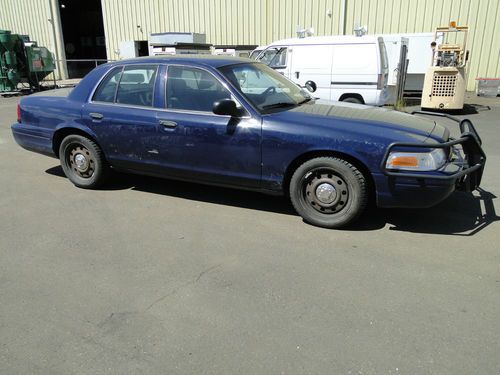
(275, 57)
(136, 85)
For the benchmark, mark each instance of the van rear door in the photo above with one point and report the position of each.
(312, 63)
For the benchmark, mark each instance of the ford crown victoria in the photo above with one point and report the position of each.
(235, 122)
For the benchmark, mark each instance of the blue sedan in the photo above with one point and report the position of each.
(237, 123)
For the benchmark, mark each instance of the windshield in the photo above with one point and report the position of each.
(266, 89)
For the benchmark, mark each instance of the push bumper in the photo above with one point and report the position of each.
(425, 189)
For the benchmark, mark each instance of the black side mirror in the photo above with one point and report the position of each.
(311, 86)
(226, 107)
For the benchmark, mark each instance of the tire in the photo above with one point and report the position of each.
(353, 100)
(83, 161)
(328, 192)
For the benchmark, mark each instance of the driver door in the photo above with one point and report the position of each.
(207, 147)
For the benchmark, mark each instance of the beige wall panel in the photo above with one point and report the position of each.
(263, 21)
(31, 17)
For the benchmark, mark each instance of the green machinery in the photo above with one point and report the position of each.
(22, 61)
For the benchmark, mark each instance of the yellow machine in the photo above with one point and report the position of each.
(445, 80)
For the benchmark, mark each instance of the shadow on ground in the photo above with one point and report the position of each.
(462, 214)
(468, 109)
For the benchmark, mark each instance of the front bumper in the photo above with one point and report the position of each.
(425, 189)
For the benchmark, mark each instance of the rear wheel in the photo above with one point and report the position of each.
(82, 161)
(328, 192)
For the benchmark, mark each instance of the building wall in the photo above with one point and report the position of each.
(38, 19)
(263, 21)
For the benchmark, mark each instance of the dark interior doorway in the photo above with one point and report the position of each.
(83, 34)
(143, 48)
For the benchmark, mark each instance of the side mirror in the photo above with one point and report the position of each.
(226, 107)
(311, 86)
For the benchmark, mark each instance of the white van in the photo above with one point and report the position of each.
(343, 68)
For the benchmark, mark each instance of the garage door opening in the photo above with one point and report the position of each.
(83, 35)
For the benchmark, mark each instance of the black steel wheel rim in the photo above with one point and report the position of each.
(81, 161)
(325, 191)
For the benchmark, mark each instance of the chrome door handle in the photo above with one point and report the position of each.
(95, 115)
(168, 124)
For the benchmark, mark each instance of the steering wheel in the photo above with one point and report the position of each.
(269, 90)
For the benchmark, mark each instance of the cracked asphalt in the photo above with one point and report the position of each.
(151, 276)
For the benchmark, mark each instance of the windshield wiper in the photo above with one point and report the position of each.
(279, 105)
(305, 101)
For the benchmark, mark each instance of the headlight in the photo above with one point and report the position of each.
(416, 161)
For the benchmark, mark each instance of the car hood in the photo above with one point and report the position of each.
(395, 120)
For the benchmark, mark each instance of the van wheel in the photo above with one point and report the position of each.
(83, 161)
(328, 192)
(352, 100)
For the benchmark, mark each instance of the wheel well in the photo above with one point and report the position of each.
(316, 154)
(352, 95)
(63, 133)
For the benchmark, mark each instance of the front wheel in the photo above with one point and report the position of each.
(328, 192)
(82, 161)
(352, 99)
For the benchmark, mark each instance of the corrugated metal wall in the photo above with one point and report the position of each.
(28, 17)
(263, 21)
(31, 17)
(223, 21)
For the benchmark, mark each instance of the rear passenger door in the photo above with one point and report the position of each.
(122, 114)
(208, 147)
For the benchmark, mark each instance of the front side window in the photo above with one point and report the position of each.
(265, 88)
(193, 89)
(136, 86)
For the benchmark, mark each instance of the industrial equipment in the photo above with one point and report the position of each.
(22, 61)
(178, 43)
(238, 50)
(445, 80)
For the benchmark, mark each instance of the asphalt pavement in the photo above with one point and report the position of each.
(151, 276)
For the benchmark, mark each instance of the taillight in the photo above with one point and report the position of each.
(18, 113)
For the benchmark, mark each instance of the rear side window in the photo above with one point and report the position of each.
(136, 86)
(107, 89)
(133, 85)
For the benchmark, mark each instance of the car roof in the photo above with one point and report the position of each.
(191, 59)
